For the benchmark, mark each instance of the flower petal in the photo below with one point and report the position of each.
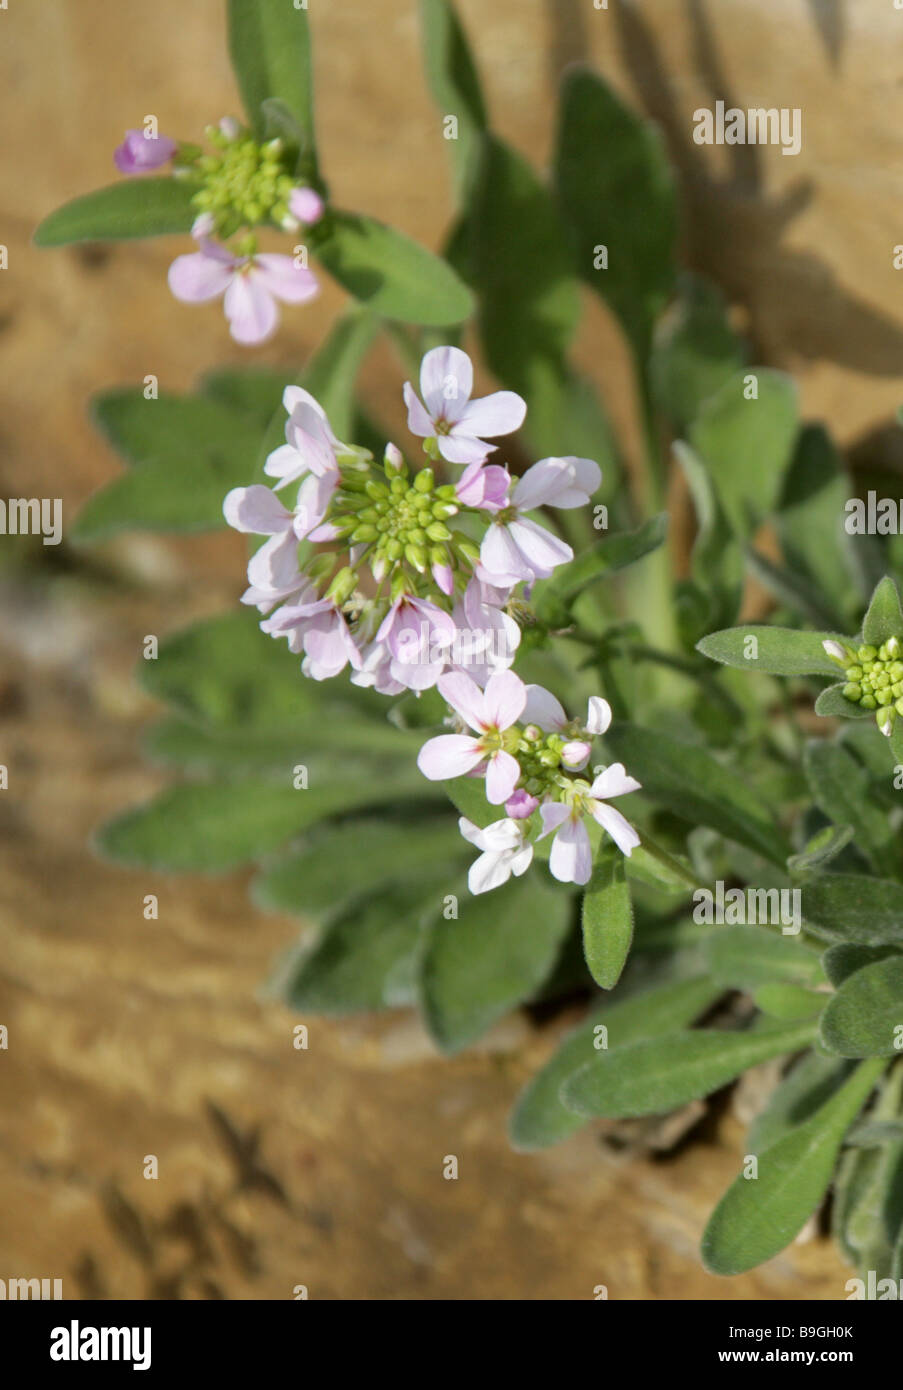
(419, 422)
(250, 309)
(614, 781)
(571, 860)
(293, 284)
(620, 830)
(502, 412)
(539, 548)
(502, 776)
(256, 509)
(504, 699)
(543, 709)
(200, 276)
(465, 698)
(446, 381)
(598, 716)
(449, 755)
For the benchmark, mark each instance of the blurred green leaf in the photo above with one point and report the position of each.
(692, 784)
(804, 1089)
(809, 518)
(695, 351)
(855, 908)
(747, 445)
(269, 45)
(617, 196)
(747, 957)
(841, 788)
(134, 208)
(455, 85)
(494, 956)
(394, 276)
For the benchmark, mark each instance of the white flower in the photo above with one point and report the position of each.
(455, 421)
(504, 852)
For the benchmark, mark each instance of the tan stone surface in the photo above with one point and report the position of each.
(122, 1030)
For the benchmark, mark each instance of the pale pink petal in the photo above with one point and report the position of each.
(522, 861)
(200, 276)
(466, 698)
(293, 284)
(256, 509)
(419, 422)
(502, 776)
(449, 755)
(571, 860)
(500, 413)
(620, 830)
(274, 565)
(504, 699)
(543, 709)
(446, 381)
(250, 309)
(501, 558)
(444, 576)
(306, 204)
(598, 715)
(575, 755)
(553, 814)
(488, 872)
(540, 549)
(462, 448)
(541, 483)
(614, 781)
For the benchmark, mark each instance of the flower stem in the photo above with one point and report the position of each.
(661, 855)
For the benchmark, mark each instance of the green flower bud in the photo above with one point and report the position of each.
(366, 532)
(852, 691)
(443, 510)
(438, 531)
(425, 480)
(884, 697)
(394, 549)
(884, 718)
(868, 702)
(867, 653)
(416, 556)
(374, 489)
(343, 586)
(853, 673)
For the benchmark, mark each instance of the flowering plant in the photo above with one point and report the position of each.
(506, 623)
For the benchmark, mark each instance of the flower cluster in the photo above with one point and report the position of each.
(242, 185)
(874, 677)
(399, 575)
(530, 755)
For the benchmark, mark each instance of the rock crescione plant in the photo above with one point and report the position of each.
(500, 625)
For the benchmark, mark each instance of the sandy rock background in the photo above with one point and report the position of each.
(129, 1038)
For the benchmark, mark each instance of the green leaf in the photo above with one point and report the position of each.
(616, 191)
(833, 704)
(495, 955)
(607, 920)
(189, 452)
(773, 651)
(747, 957)
(824, 846)
(321, 879)
(788, 1001)
(252, 391)
(455, 85)
(756, 1218)
(540, 1118)
(468, 796)
(841, 789)
(855, 908)
(134, 208)
(747, 445)
(803, 1090)
(366, 958)
(692, 784)
(695, 351)
(884, 617)
(809, 519)
(843, 960)
(269, 45)
(212, 826)
(614, 552)
(865, 1017)
(392, 275)
(792, 590)
(657, 1075)
(528, 299)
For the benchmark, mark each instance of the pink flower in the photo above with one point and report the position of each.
(486, 638)
(571, 860)
(251, 286)
(455, 421)
(543, 709)
(416, 634)
(310, 442)
(317, 627)
(140, 152)
(504, 852)
(521, 805)
(514, 548)
(483, 486)
(488, 713)
(306, 205)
